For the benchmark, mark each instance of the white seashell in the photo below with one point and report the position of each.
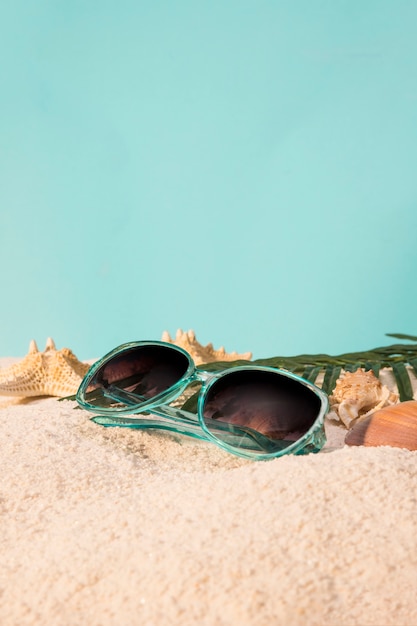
(358, 394)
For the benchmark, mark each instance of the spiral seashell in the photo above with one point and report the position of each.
(358, 394)
(394, 426)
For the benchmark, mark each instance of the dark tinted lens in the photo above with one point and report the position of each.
(144, 371)
(272, 404)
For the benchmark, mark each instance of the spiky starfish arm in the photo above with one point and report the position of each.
(49, 373)
(202, 354)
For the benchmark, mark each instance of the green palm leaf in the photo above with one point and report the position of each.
(396, 356)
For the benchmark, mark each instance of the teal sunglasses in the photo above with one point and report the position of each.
(252, 411)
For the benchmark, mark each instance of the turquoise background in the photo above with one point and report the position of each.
(246, 169)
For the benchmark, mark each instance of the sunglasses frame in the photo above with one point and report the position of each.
(166, 417)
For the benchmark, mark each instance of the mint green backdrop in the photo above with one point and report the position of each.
(243, 168)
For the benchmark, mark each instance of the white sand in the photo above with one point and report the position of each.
(105, 527)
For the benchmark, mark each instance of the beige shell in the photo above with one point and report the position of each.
(49, 373)
(359, 393)
(391, 426)
(202, 354)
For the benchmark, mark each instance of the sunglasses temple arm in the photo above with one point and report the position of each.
(169, 419)
(120, 395)
(189, 421)
(164, 411)
(178, 426)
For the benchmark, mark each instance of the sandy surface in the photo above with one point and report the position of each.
(105, 527)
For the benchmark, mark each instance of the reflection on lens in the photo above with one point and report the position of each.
(144, 371)
(270, 403)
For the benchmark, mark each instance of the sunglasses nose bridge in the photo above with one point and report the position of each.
(203, 376)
